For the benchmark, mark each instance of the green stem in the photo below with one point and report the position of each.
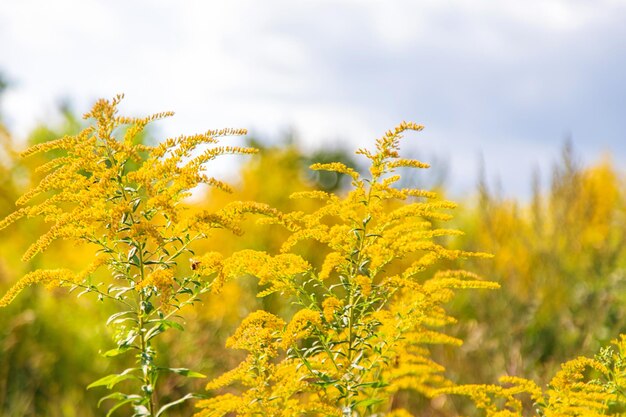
(95, 289)
(361, 245)
(145, 358)
(182, 248)
(309, 367)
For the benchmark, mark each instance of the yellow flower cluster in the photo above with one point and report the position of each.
(273, 389)
(364, 284)
(209, 264)
(377, 345)
(49, 277)
(161, 279)
(220, 405)
(331, 262)
(583, 387)
(110, 189)
(330, 307)
(256, 332)
(570, 395)
(275, 271)
(300, 326)
(336, 167)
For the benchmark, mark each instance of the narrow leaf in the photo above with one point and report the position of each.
(109, 381)
(184, 372)
(173, 403)
(117, 351)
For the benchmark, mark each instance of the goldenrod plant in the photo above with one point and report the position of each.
(45, 350)
(561, 261)
(583, 387)
(366, 316)
(125, 199)
(358, 286)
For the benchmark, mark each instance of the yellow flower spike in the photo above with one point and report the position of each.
(161, 278)
(300, 326)
(331, 262)
(521, 385)
(336, 167)
(48, 277)
(315, 194)
(92, 268)
(90, 168)
(330, 306)
(219, 406)
(230, 377)
(406, 163)
(365, 284)
(208, 263)
(12, 218)
(257, 331)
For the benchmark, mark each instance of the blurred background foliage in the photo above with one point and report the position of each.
(560, 259)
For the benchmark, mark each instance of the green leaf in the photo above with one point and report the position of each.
(167, 324)
(129, 338)
(172, 324)
(368, 402)
(183, 371)
(119, 291)
(146, 307)
(179, 401)
(117, 351)
(141, 411)
(109, 381)
(117, 315)
(134, 260)
(114, 396)
(120, 404)
(154, 331)
(132, 252)
(376, 384)
(83, 292)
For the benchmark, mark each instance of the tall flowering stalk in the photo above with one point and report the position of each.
(366, 315)
(126, 198)
(583, 387)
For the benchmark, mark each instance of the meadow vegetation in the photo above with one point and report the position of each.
(341, 291)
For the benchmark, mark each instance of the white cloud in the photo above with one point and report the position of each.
(478, 73)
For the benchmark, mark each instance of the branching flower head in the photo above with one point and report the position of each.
(259, 331)
(369, 311)
(107, 188)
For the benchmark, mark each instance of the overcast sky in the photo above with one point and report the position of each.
(508, 80)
